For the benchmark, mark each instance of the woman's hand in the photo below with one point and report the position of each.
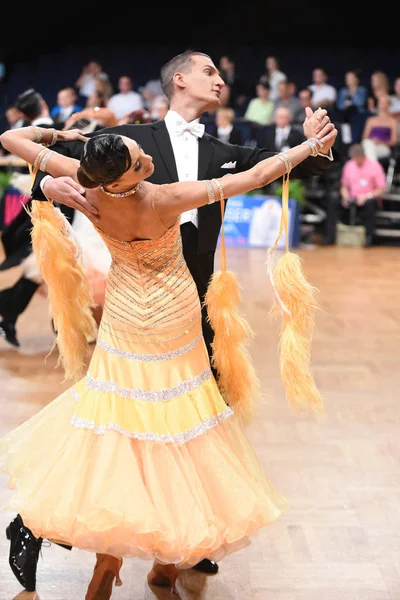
(71, 135)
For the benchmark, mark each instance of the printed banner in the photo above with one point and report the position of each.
(253, 221)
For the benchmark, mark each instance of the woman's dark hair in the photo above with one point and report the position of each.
(105, 157)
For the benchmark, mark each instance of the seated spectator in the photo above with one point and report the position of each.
(323, 94)
(351, 107)
(94, 116)
(158, 107)
(285, 100)
(260, 108)
(86, 82)
(380, 133)
(225, 129)
(273, 76)
(352, 97)
(65, 107)
(281, 135)
(126, 100)
(150, 92)
(379, 86)
(15, 118)
(363, 182)
(299, 115)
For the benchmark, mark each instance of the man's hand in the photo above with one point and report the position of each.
(318, 124)
(361, 199)
(66, 190)
(345, 202)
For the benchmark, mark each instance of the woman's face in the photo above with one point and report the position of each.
(141, 168)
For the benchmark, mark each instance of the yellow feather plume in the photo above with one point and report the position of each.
(70, 300)
(237, 378)
(295, 301)
(298, 297)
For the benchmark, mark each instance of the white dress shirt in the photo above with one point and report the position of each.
(186, 153)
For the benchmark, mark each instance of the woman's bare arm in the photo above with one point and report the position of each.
(28, 142)
(173, 199)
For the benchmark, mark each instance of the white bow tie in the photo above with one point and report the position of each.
(193, 127)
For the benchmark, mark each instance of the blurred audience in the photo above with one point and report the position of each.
(94, 116)
(238, 96)
(299, 114)
(224, 128)
(158, 107)
(90, 75)
(285, 100)
(379, 86)
(323, 93)
(352, 97)
(65, 107)
(380, 133)
(260, 109)
(273, 76)
(126, 100)
(15, 117)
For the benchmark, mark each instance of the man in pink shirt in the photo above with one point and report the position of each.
(363, 181)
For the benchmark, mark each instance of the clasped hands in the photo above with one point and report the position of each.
(318, 124)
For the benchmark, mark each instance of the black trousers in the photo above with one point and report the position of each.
(365, 214)
(14, 300)
(201, 267)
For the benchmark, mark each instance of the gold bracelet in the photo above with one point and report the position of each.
(38, 158)
(285, 159)
(210, 191)
(53, 139)
(39, 134)
(45, 160)
(221, 191)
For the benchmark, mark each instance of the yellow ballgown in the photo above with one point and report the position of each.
(142, 457)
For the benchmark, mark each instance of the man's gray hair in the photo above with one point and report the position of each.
(356, 150)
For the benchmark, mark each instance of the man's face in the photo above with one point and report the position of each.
(305, 99)
(359, 159)
(125, 85)
(282, 117)
(203, 83)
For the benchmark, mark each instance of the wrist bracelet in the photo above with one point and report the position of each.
(285, 158)
(312, 144)
(210, 192)
(221, 191)
(53, 138)
(39, 134)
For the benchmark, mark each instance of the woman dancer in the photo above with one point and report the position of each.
(142, 456)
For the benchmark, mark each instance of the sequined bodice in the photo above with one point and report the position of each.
(149, 285)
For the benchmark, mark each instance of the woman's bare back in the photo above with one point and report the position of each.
(128, 218)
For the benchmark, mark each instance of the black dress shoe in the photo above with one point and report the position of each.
(8, 332)
(24, 553)
(207, 566)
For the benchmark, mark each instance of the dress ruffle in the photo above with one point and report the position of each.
(111, 493)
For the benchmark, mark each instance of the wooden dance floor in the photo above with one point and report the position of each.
(340, 539)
